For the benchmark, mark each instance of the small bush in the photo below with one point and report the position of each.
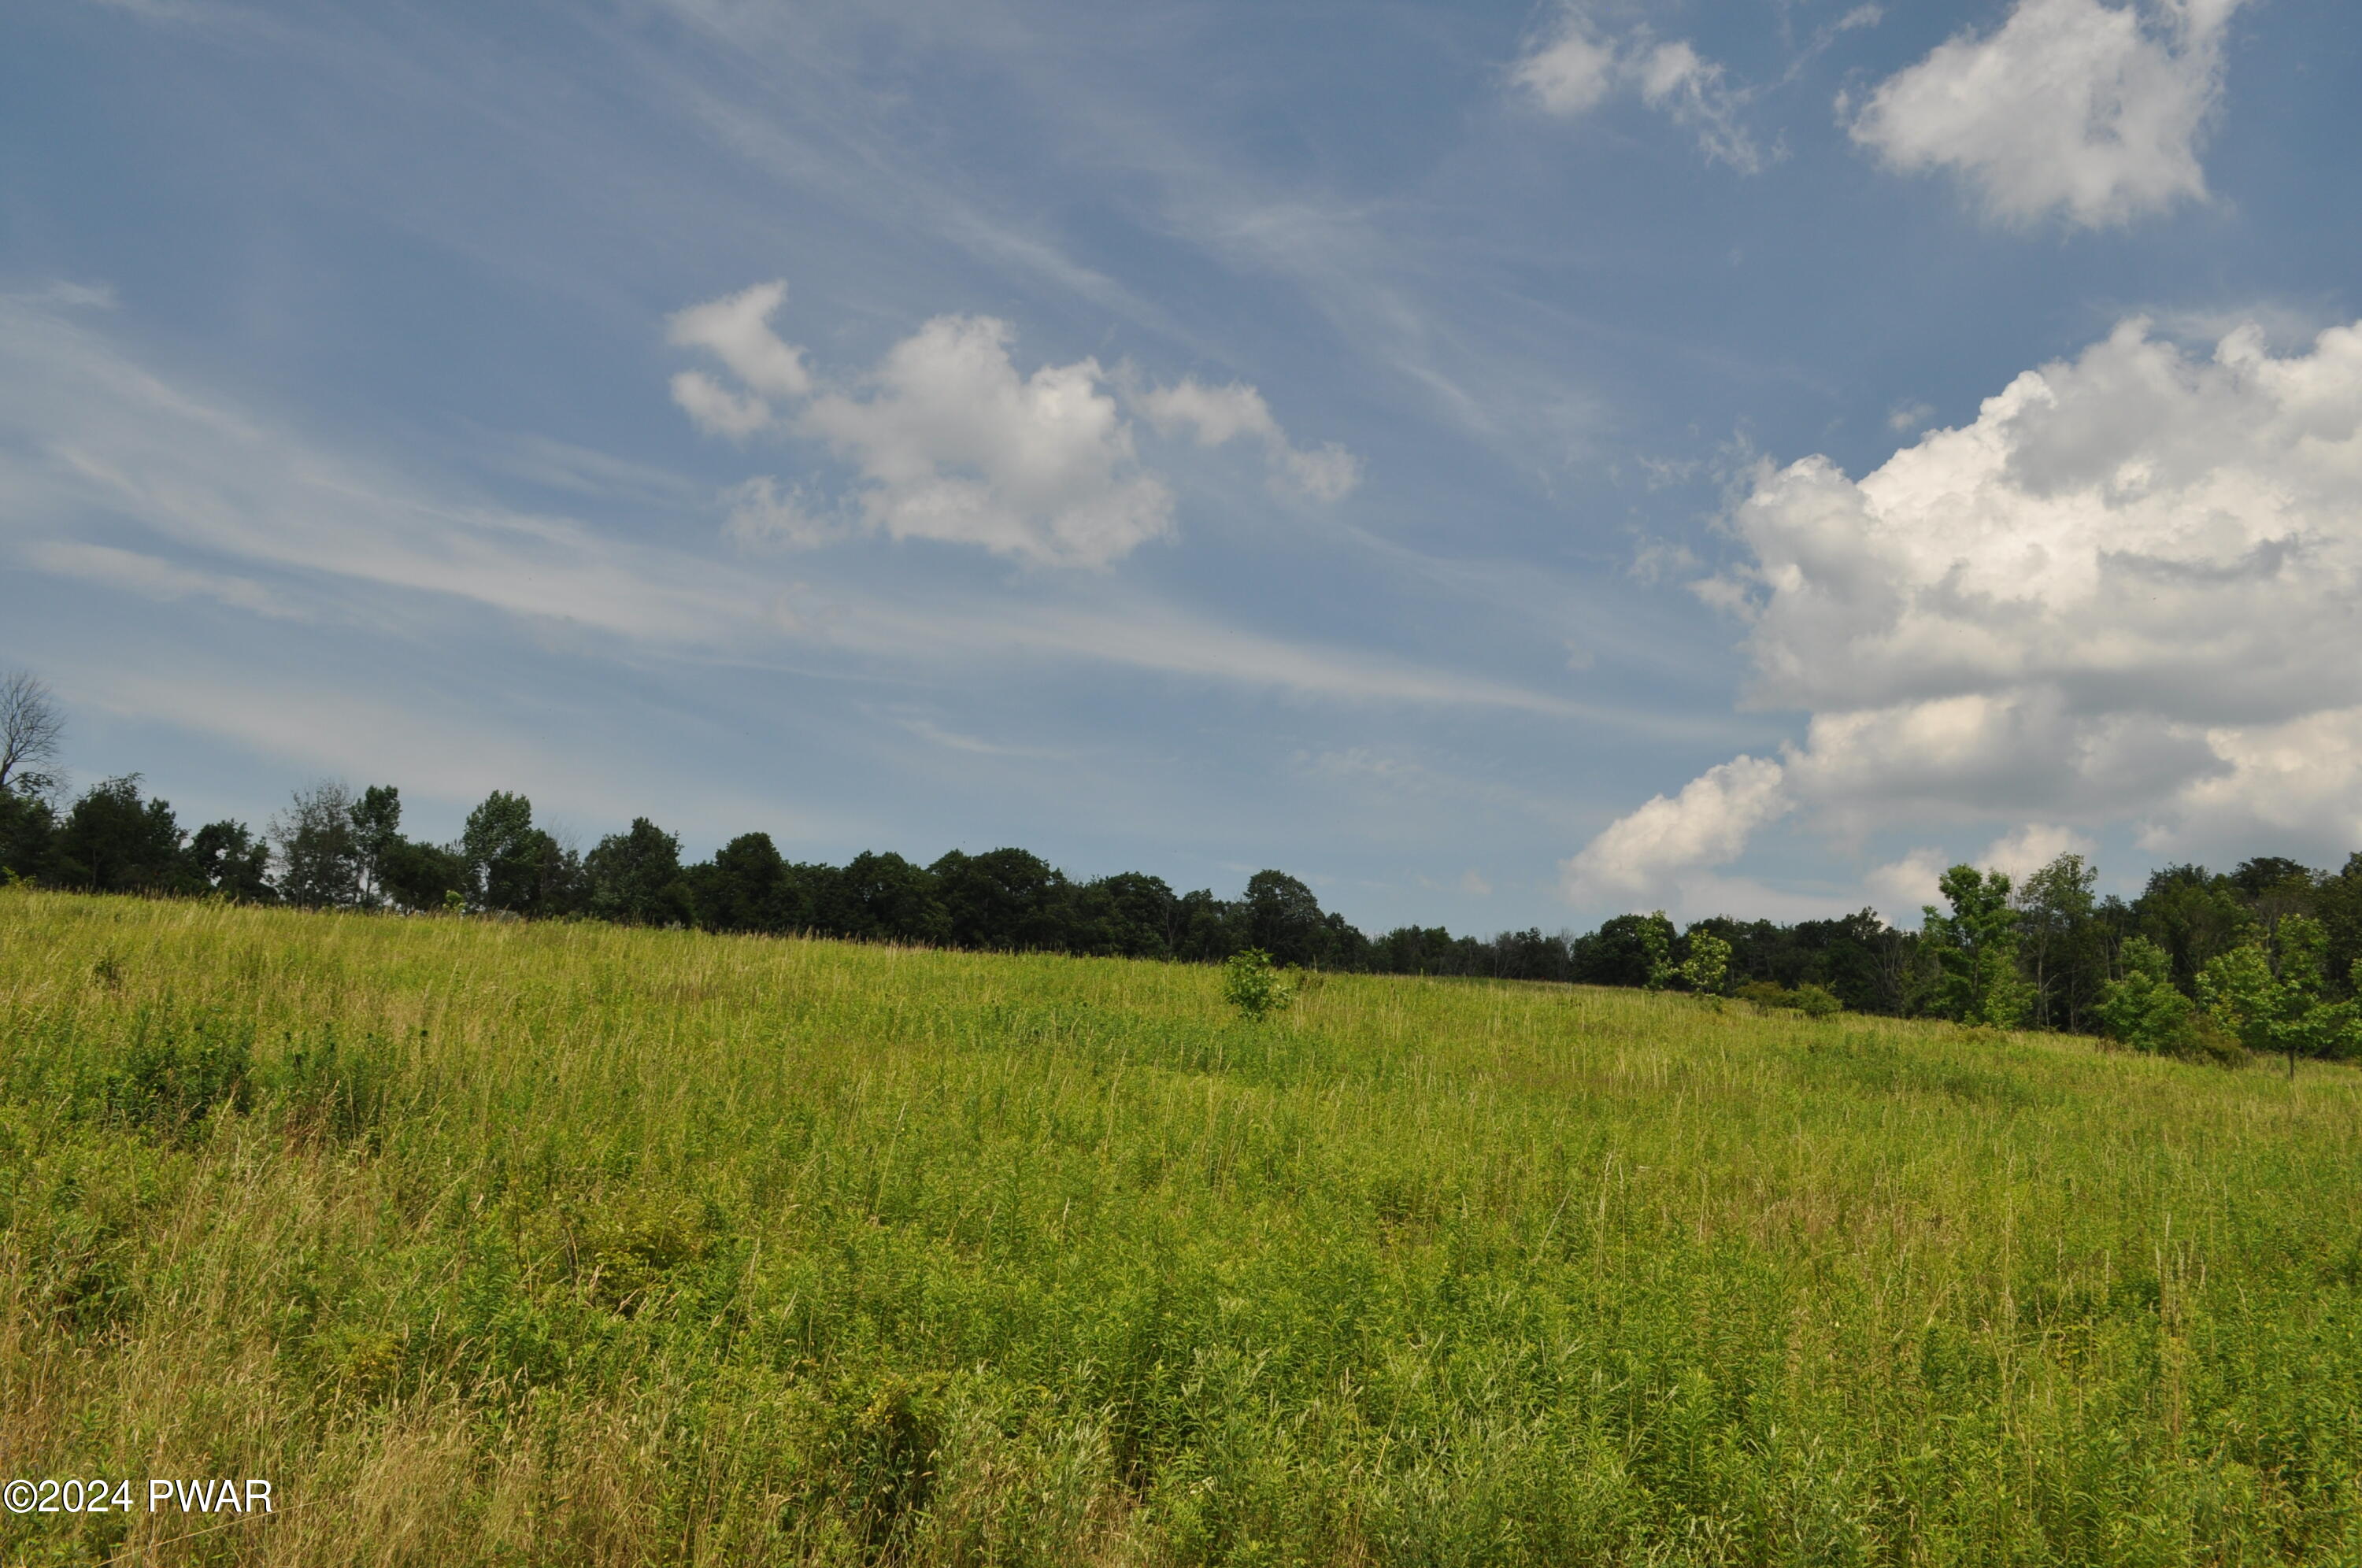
(333, 1091)
(174, 1073)
(1253, 983)
(1812, 1000)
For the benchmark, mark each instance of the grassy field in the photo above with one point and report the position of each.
(571, 1245)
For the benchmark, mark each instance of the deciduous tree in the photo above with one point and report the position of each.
(1977, 946)
(317, 852)
(31, 729)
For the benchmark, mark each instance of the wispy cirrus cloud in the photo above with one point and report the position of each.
(1577, 64)
(91, 435)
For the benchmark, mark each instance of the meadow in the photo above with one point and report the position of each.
(506, 1243)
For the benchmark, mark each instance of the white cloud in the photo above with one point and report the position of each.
(736, 329)
(92, 435)
(2027, 849)
(1707, 824)
(1900, 890)
(90, 432)
(953, 443)
(1694, 93)
(2294, 783)
(1215, 414)
(443, 750)
(714, 408)
(152, 577)
(1572, 69)
(950, 442)
(761, 513)
(1219, 415)
(2073, 106)
(2126, 594)
(1472, 883)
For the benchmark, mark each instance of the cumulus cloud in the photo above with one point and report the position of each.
(736, 329)
(951, 441)
(2027, 849)
(1575, 67)
(1900, 890)
(1707, 824)
(1220, 414)
(2128, 593)
(1570, 70)
(2093, 111)
(715, 409)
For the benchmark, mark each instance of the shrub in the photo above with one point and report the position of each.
(332, 1091)
(1253, 983)
(1812, 1000)
(173, 1073)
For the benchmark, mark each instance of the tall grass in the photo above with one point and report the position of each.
(573, 1244)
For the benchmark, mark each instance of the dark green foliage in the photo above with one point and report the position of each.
(421, 876)
(28, 838)
(2062, 948)
(320, 862)
(114, 842)
(1129, 915)
(2269, 874)
(2195, 917)
(1209, 929)
(635, 877)
(885, 1447)
(173, 1073)
(1283, 919)
(1812, 1000)
(2337, 901)
(884, 898)
(515, 867)
(375, 821)
(227, 859)
(747, 886)
(1004, 901)
(1622, 951)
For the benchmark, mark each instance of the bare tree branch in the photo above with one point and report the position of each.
(30, 726)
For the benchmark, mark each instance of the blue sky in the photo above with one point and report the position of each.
(1504, 464)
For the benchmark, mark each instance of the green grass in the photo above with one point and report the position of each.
(565, 1243)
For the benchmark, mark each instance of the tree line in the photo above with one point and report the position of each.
(2261, 958)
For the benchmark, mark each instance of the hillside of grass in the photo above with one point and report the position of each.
(497, 1242)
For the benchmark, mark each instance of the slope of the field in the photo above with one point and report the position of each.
(566, 1244)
